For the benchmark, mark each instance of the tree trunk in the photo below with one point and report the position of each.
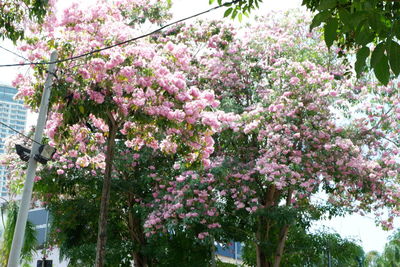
(261, 257)
(105, 194)
(140, 260)
(137, 235)
(281, 245)
(282, 235)
(264, 226)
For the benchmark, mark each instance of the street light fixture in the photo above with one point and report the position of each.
(23, 152)
(46, 152)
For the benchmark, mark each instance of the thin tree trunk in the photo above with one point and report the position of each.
(261, 257)
(264, 226)
(140, 260)
(282, 235)
(137, 235)
(281, 245)
(105, 194)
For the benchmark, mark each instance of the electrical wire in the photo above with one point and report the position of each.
(15, 54)
(2, 123)
(124, 42)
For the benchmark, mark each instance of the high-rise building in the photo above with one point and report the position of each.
(12, 113)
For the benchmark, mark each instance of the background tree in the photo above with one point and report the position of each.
(30, 241)
(390, 255)
(294, 137)
(371, 28)
(74, 231)
(313, 249)
(15, 16)
(134, 94)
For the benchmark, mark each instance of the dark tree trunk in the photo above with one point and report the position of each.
(136, 232)
(261, 257)
(282, 235)
(140, 260)
(264, 226)
(281, 245)
(105, 194)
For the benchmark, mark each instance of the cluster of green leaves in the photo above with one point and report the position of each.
(238, 8)
(390, 255)
(313, 249)
(370, 27)
(74, 230)
(14, 13)
(30, 241)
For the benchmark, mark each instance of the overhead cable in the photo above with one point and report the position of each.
(124, 42)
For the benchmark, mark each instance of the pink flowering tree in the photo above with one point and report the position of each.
(136, 95)
(302, 134)
(16, 15)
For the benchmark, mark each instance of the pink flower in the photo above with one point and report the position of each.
(294, 80)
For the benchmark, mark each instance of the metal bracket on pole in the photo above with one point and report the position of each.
(19, 233)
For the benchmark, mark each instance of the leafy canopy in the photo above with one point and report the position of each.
(369, 27)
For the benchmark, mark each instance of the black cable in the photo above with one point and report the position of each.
(124, 42)
(15, 54)
(19, 132)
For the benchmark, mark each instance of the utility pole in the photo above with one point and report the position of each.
(19, 233)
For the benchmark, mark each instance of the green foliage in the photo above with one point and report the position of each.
(74, 230)
(352, 25)
(239, 8)
(306, 249)
(357, 24)
(13, 14)
(390, 256)
(30, 241)
(225, 264)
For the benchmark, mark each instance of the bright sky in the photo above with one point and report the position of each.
(358, 227)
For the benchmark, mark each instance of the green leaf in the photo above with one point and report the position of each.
(240, 17)
(219, 2)
(82, 109)
(364, 35)
(357, 18)
(327, 4)
(362, 55)
(376, 21)
(330, 33)
(234, 14)
(377, 54)
(319, 18)
(211, 1)
(228, 12)
(381, 70)
(345, 17)
(394, 57)
(396, 29)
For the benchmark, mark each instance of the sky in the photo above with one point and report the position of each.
(360, 228)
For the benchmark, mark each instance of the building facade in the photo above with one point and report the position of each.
(12, 113)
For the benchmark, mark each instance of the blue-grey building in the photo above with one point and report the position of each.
(40, 218)
(231, 253)
(12, 113)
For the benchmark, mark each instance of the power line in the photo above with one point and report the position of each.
(124, 42)
(15, 54)
(2, 123)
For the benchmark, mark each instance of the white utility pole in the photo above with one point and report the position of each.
(19, 233)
